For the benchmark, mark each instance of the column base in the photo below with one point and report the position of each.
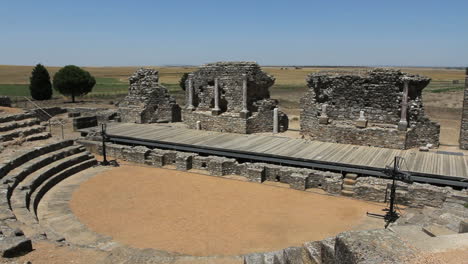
(244, 114)
(361, 123)
(215, 112)
(402, 125)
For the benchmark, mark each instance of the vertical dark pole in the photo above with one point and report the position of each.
(104, 137)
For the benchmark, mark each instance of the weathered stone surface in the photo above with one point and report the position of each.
(379, 94)
(184, 161)
(464, 122)
(228, 118)
(298, 181)
(370, 247)
(148, 101)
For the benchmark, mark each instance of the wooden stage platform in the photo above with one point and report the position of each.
(421, 163)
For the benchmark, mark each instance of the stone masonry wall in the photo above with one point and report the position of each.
(366, 188)
(148, 101)
(230, 85)
(379, 94)
(464, 121)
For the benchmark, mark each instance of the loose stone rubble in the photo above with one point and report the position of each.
(148, 101)
(464, 121)
(232, 97)
(382, 108)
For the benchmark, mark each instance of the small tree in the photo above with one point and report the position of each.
(73, 81)
(182, 80)
(40, 86)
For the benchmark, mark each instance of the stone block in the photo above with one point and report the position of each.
(298, 181)
(200, 162)
(256, 174)
(463, 227)
(219, 166)
(136, 154)
(14, 246)
(155, 158)
(184, 161)
(371, 246)
(323, 120)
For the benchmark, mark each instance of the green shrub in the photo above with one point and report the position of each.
(40, 86)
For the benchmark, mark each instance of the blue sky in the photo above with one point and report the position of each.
(119, 33)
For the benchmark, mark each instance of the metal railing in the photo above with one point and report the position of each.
(47, 114)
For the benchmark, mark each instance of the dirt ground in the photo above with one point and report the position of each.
(203, 215)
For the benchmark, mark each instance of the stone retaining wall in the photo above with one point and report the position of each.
(366, 188)
(464, 121)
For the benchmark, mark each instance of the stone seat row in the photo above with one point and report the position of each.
(24, 126)
(25, 178)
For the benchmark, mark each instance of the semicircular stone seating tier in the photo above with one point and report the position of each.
(23, 127)
(24, 179)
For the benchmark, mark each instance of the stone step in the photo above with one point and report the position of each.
(352, 176)
(51, 182)
(18, 174)
(24, 156)
(347, 193)
(17, 124)
(348, 187)
(349, 181)
(38, 136)
(410, 232)
(16, 117)
(436, 230)
(21, 132)
(22, 198)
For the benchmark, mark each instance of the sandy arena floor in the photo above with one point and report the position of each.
(203, 215)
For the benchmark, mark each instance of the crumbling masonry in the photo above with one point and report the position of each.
(381, 107)
(232, 97)
(464, 121)
(148, 101)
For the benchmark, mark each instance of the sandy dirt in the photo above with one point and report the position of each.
(10, 110)
(203, 215)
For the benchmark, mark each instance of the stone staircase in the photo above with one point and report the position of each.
(348, 184)
(21, 127)
(24, 180)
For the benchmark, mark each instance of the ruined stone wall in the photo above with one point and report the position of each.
(379, 94)
(464, 121)
(230, 85)
(148, 101)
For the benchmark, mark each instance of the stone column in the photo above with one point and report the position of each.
(275, 120)
(216, 110)
(190, 93)
(403, 124)
(464, 122)
(198, 125)
(244, 112)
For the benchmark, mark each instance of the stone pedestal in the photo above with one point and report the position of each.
(361, 123)
(323, 120)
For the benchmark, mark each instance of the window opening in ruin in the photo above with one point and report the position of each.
(203, 165)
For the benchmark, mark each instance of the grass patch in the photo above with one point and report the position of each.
(446, 89)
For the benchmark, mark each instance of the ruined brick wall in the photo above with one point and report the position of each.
(464, 121)
(148, 101)
(379, 94)
(230, 84)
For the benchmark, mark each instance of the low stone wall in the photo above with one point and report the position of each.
(414, 195)
(297, 178)
(380, 137)
(51, 111)
(102, 114)
(5, 101)
(84, 122)
(366, 188)
(232, 123)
